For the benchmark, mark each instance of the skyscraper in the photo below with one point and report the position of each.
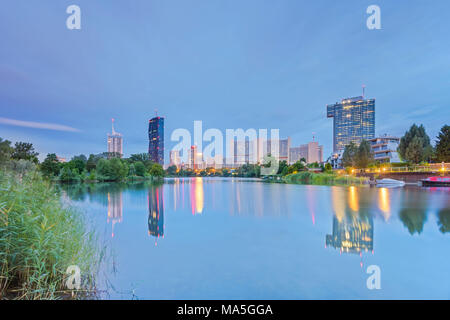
(353, 121)
(115, 143)
(156, 140)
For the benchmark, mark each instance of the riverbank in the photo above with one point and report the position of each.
(40, 237)
(323, 178)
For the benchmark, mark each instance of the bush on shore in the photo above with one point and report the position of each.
(40, 237)
(307, 177)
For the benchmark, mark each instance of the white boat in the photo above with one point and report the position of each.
(390, 183)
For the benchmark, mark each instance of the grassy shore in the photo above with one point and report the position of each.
(40, 237)
(323, 179)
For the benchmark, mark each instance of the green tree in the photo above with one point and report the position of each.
(24, 151)
(296, 167)
(157, 170)
(112, 169)
(50, 166)
(328, 167)
(67, 175)
(282, 167)
(364, 156)
(172, 170)
(91, 163)
(415, 152)
(140, 168)
(5, 150)
(349, 155)
(415, 145)
(78, 163)
(131, 170)
(443, 145)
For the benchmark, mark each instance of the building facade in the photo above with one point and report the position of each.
(311, 152)
(353, 121)
(384, 149)
(156, 140)
(175, 159)
(115, 143)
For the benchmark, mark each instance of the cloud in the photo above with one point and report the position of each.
(37, 125)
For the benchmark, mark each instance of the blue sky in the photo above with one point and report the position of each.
(232, 64)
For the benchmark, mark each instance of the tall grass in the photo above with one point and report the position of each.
(307, 177)
(39, 238)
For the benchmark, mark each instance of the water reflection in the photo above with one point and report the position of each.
(115, 209)
(352, 227)
(155, 212)
(384, 203)
(197, 196)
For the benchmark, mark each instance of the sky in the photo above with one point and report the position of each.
(232, 64)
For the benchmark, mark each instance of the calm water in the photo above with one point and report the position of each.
(219, 238)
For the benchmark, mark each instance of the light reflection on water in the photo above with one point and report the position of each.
(232, 239)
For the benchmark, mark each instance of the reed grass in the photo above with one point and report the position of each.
(40, 237)
(307, 177)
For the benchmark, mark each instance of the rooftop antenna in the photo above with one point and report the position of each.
(156, 112)
(364, 89)
(112, 125)
(313, 135)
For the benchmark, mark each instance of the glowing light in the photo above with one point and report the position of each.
(384, 203)
(353, 199)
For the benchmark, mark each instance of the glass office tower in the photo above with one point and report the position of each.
(156, 140)
(353, 120)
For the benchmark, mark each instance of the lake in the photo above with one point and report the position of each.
(224, 238)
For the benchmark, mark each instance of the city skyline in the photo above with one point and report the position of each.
(254, 70)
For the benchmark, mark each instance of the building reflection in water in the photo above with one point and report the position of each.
(155, 212)
(384, 203)
(352, 227)
(115, 209)
(197, 195)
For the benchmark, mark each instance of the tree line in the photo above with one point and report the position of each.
(414, 148)
(100, 167)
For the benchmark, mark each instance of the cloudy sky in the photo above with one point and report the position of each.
(232, 64)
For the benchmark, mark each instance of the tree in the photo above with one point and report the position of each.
(78, 163)
(364, 156)
(112, 169)
(443, 145)
(157, 170)
(139, 168)
(172, 170)
(349, 155)
(415, 151)
(282, 167)
(50, 166)
(91, 163)
(5, 150)
(297, 166)
(24, 151)
(415, 145)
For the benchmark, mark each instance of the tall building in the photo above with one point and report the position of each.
(311, 152)
(175, 158)
(156, 140)
(115, 142)
(115, 209)
(384, 149)
(353, 121)
(155, 212)
(193, 158)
